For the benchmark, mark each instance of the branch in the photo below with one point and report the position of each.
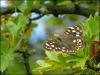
(75, 10)
(25, 56)
(26, 63)
(56, 10)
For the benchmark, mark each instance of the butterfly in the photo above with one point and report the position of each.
(69, 41)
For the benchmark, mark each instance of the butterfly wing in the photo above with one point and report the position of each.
(69, 41)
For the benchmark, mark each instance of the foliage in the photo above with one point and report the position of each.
(13, 33)
(55, 60)
(9, 39)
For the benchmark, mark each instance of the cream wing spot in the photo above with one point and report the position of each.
(73, 31)
(63, 48)
(66, 32)
(56, 48)
(59, 48)
(73, 51)
(71, 27)
(46, 47)
(74, 41)
(47, 44)
(77, 35)
(52, 46)
(70, 51)
(50, 43)
(53, 42)
(69, 30)
(80, 46)
(78, 28)
(67, 50)
(49, 48)
(79, 40)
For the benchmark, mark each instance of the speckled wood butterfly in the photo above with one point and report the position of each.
(69, 41)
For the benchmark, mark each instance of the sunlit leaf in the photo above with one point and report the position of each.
(46, 65)
(23, 7)
(29, 6)
(69, 4)
(5, 60)
(17, 3)
(22, 21)
(42, 63)
(52, 56)
(91, 28)
(12, 27)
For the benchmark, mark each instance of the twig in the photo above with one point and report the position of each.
(26, 63)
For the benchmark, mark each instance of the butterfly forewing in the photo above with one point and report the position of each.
(69, 41)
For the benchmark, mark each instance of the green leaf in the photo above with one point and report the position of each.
(52, 20)
(65, 3)
(36, 3)
(52, 56)
(72, 58)
(6, 58)
(68, 4)
(23, 7)
(16, 66)
(4, 45)
(91, 28)
(62, 59)
(78, 60)
(80, 63)
(11, 26)
(46, 65)
(17, 3)
(80, 53)
(22, 20)
(42, 63)
(29, 6)
(6, 54)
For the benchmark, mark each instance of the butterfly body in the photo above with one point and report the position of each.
(69, 41)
